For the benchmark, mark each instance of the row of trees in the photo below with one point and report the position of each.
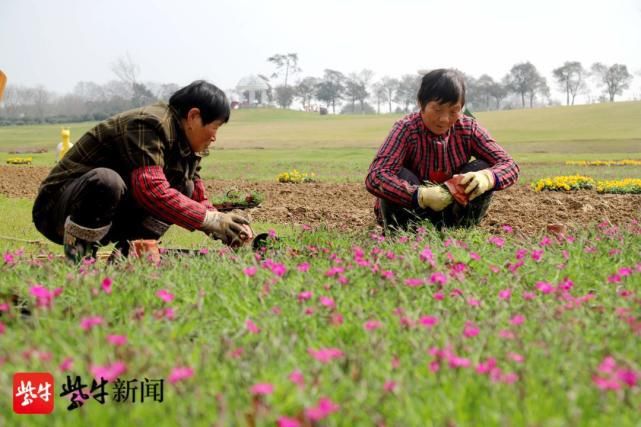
(356, 92)
(484, 93)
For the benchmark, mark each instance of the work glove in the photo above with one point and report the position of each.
(434, 197)
(233, 230)
(477, 183)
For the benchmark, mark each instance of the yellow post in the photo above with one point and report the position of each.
(65, 135)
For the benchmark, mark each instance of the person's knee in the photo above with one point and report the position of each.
(474, 165)
(108, 181)
(409, 176)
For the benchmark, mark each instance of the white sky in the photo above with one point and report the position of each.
(60, 42)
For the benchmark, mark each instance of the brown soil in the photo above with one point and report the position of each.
(350, 207)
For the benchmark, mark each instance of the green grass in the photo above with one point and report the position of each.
(563, 340)
(259, 144)
(562, 345)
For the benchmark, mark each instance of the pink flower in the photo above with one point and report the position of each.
(438, 277)
(371, 325)
(170, 313)
(117, 340)
(537, 255)
(180, 373)
(108, 372)
(506, 334)
(428, 321)
(474, 256)
(303, 267)
(325, 355)
(470, 330)
(413, 282)
(528, 295)
(497, 241)
(297, 378)
(324, 408)
(334, 271)
(608, 365)
(262, 389)
(44, 297)
(8, 258)
(544, 287)
(251, 326)
(288, 422)
(304, 296)
(606, 383)
(516, 357)
(505, 294)
(278, 269)
(438, 296)
(66, 364)
(389, 386)
(517, 319)
(327, 302)
(250, 271)
(473, 302)
(87, 323)
(628, 377)
(507, 228)
(427, 256)
(165, 295)
(4, 307)
(106, 285)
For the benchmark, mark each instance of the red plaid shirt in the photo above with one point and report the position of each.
(432, 157)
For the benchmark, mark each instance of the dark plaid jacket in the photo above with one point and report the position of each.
(142, 145)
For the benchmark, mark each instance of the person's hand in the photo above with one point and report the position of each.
(477, 183)
(232, 229)
(434, 197)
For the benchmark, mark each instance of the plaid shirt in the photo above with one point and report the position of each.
(150, 152)
(433, 157)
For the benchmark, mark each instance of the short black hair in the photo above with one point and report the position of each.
(208, 98)
(443, 85)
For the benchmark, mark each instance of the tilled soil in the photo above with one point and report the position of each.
(349, 207)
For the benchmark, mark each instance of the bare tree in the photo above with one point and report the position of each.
(390, 85)
(285, 64)
(126, 70)
(570, 78)
(406, 90)
(380, 93)
(41, 98)
(615, 78)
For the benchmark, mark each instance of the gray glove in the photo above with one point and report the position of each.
(230, 228)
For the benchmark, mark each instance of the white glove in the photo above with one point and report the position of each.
(477, 183)
(434, 197)
(230, 228)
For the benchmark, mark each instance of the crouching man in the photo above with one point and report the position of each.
(135, 174)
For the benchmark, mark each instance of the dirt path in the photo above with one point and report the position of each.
(350, 207)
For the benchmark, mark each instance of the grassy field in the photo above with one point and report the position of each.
(259, 144)
(460, 328)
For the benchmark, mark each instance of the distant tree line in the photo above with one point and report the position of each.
(354, 93)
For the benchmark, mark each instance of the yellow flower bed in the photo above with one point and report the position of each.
(19, 160)
(564, 183)
(621, 186)
(295, 177)
(603, 162)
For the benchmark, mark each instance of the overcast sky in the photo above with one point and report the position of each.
(58, 43)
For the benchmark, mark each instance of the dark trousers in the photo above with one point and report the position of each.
(96, 199)
(455, 215)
